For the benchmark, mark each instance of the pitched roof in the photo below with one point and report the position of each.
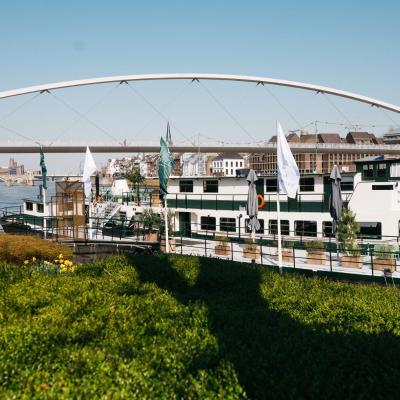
(360, 135)
(329, 138)
(308, 138)
(291, 138)
(228, 155)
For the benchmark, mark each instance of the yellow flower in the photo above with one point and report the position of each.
(26, 262)
(60, 256)
(33, 259)
(56, 261)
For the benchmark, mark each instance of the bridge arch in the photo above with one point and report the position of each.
(201, 76)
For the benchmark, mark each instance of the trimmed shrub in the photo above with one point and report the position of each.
(18, 248)
(314, 246)
(385, 251)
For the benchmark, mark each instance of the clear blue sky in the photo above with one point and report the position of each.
(350, 45)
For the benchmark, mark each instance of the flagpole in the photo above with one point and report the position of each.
(44, 213)
(166, 224)
(278, 209)
(90, 218)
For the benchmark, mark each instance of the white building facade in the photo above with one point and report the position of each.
(226, 164)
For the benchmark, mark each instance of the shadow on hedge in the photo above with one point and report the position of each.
(275, 356)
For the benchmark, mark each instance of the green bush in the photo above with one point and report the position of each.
(348, 230)
(18, 248)
(159, 327)
(223, 240)
(386, 251)
(250, 244)
(150, 219)
(314, 246)
(286, 244)
(352, 249)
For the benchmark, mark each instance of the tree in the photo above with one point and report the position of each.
(134, 176)
(348, 229)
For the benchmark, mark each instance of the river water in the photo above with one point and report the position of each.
(13, 195)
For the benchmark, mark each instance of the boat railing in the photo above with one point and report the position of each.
(371, 259)
(308, 202)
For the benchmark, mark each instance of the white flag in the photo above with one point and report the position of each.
(288, 173)
(88, 169)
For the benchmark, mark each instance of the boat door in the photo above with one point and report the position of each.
(185, 225)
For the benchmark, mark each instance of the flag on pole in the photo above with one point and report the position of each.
(288, 172)
(88, 169)
(166, 165)
(43, 168)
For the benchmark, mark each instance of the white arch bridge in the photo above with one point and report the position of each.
(179, 76)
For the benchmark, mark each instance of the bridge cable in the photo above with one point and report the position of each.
(90, 109)
(387, 115)
(167, 105)
(225, 109)
(84, 117)
(150, 104)
(295, 120)
(330, 101)
(18, 134)
(12, 112)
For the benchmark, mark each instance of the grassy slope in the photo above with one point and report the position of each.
(157, 327)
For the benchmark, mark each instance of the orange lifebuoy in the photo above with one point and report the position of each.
(261, 203)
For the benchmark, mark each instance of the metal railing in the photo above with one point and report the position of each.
(297, 253)
(305, 202)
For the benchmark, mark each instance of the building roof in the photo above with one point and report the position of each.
(229, 156)
(308, 138)
(291, 138)
(354, 136)
(329, 138)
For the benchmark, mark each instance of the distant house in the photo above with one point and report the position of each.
(291, 138)
(226, 164)
(391, 138)
(329, 138)
(361, 138)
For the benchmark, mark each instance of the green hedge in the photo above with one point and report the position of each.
(186, 327)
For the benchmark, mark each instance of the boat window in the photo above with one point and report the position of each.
(347, 184)
(186, 186)
(305, 228)
(381, 172)
(327, 229)
(248, 230)
(306, 184)
(273, 227)
(227, 224)
(271, 185)
(208, 223)
(368, 171)
(370, 230)
(29, 206)
(382, 187)
(395, 170)
(39, 208)
(210, 186)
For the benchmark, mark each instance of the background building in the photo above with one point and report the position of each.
(226, 164)
(317, 153)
